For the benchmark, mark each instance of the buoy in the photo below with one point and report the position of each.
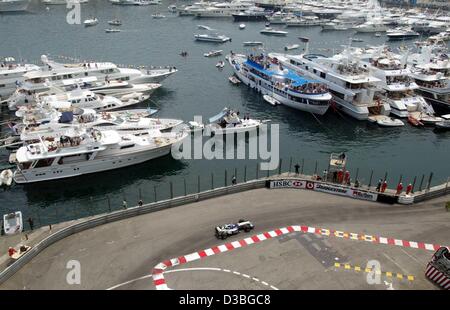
(6, 177)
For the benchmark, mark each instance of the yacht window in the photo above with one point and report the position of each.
(86, 74)
(43, 162)
(2, 85)
(322, 75)
(126, 146)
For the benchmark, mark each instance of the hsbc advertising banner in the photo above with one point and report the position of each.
(287, 184)
(325, 188)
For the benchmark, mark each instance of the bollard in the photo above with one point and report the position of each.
(198, 184)
(385, 176)
(245, 173)
(370, 180)
(109, 203)
(171, 189)
(257, 172)
(140, 194)
(154, 191)
(185, 189)
(268, 173)
(421, 182)
(226, 177)
(279, 166)
(303, 165)
(400, 179)
(235, 173)
(315, 168)
(212, 180)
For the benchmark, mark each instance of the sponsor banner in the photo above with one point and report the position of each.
(344, 191)
(287, 184)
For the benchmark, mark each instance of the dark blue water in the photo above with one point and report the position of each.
(200, 89)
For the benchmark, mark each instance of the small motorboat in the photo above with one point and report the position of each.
(228, 121)
(378, 34)
(273, 32)
(112, 30)
(12, 223)
(213, 53)
(242, 26)
(90, 22)
(291, 47)
(414, 121)
(443, 125)
(271, 100)
(252, 43)
(158, 16)
(357, 40)
(389, 122)
(115, 22)
(234, 80)
(172, 8)
(220, 64)
(430, 120)
(205, 27)
(6, 177)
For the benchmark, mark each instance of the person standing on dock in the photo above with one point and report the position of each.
(124, 204)
(379, 185)
(346, 177)
(399, 188)
(408, 189)
(140, 203)
(233, 180)
(340, 176)
(383, 186)
(297, 168)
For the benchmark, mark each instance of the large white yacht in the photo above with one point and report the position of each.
(11, 74)
(14, 5)
(57, 73)
(223, 9)
(81, 151)
(266, 75)
(397, 86)
(349, 82)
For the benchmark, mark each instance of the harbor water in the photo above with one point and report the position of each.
(199, 88)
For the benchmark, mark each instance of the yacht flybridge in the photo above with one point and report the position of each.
(267, 75)
(82, 151)
(11, 75)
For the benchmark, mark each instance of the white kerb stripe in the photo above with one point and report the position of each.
(209, 252)
(175, 261)
(223, 248)
(158, 276)
(311, 230)
(236, 244)
(284, 230)
(191, 257)
(161, 266)
(297, 228)
(429, 247)
(383, 240)
(249, 241)
(272, 233)
(162, 287)
(413, 244)
(398, 242)
(261, 237)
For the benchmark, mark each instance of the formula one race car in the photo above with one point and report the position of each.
(438, 269)
(223, 232)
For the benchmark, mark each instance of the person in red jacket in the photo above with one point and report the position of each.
(11, 251)
(399, 188)
(340, 176)
(383, 186)
(408, 189)
(346, 177)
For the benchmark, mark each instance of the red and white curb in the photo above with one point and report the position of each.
(437, 277)
(158, 270)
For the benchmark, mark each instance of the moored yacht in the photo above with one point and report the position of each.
(252, 14)
(266, 75)
(216, 38)
(223, 9)
(349, 82)
(401, 33)
(14, 5)
(11, 75)
(84, 151)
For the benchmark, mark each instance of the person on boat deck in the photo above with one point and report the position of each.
(379, 185)
(11, 251)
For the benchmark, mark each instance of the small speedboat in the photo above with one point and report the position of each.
(6, 177)
(158, 16)
(220, 64)
(90, 22)
(357, 40)
(234, 80)
(204, 27)
(242, 26)
(112, 30)
(252, 43)
(291, 47)
(213, 53)
(115, 22)
(12, 223)
(273, 32)
(389, 122)
(378, 34)
(430, 120)
(271, 100)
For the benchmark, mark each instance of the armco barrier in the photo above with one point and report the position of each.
(120, 215)
(433, 192)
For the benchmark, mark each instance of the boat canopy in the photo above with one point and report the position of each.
(219, 116)
(286, 74)
(66, 117)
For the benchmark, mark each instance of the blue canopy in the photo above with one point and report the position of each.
(66, 117)
(296, 79)
(217, 117)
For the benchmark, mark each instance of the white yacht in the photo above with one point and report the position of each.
(349, 82)
(266, 75)
(90, 22)
(11, 75)
(223, 9)
(229, 121)
(397, 86)
(371, 26)
(306, 21)
(401, 33)
(216, 38)
(14, 5)
(273, 32)
(85, 151)
(61, 2)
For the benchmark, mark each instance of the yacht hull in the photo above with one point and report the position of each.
(99, 164)
(14, 6)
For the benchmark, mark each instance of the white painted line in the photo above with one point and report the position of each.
(273, 287)
(265, 283)
(238, 273)
(128, 282)
(226, 270)
(246, 276)
(255, 279)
